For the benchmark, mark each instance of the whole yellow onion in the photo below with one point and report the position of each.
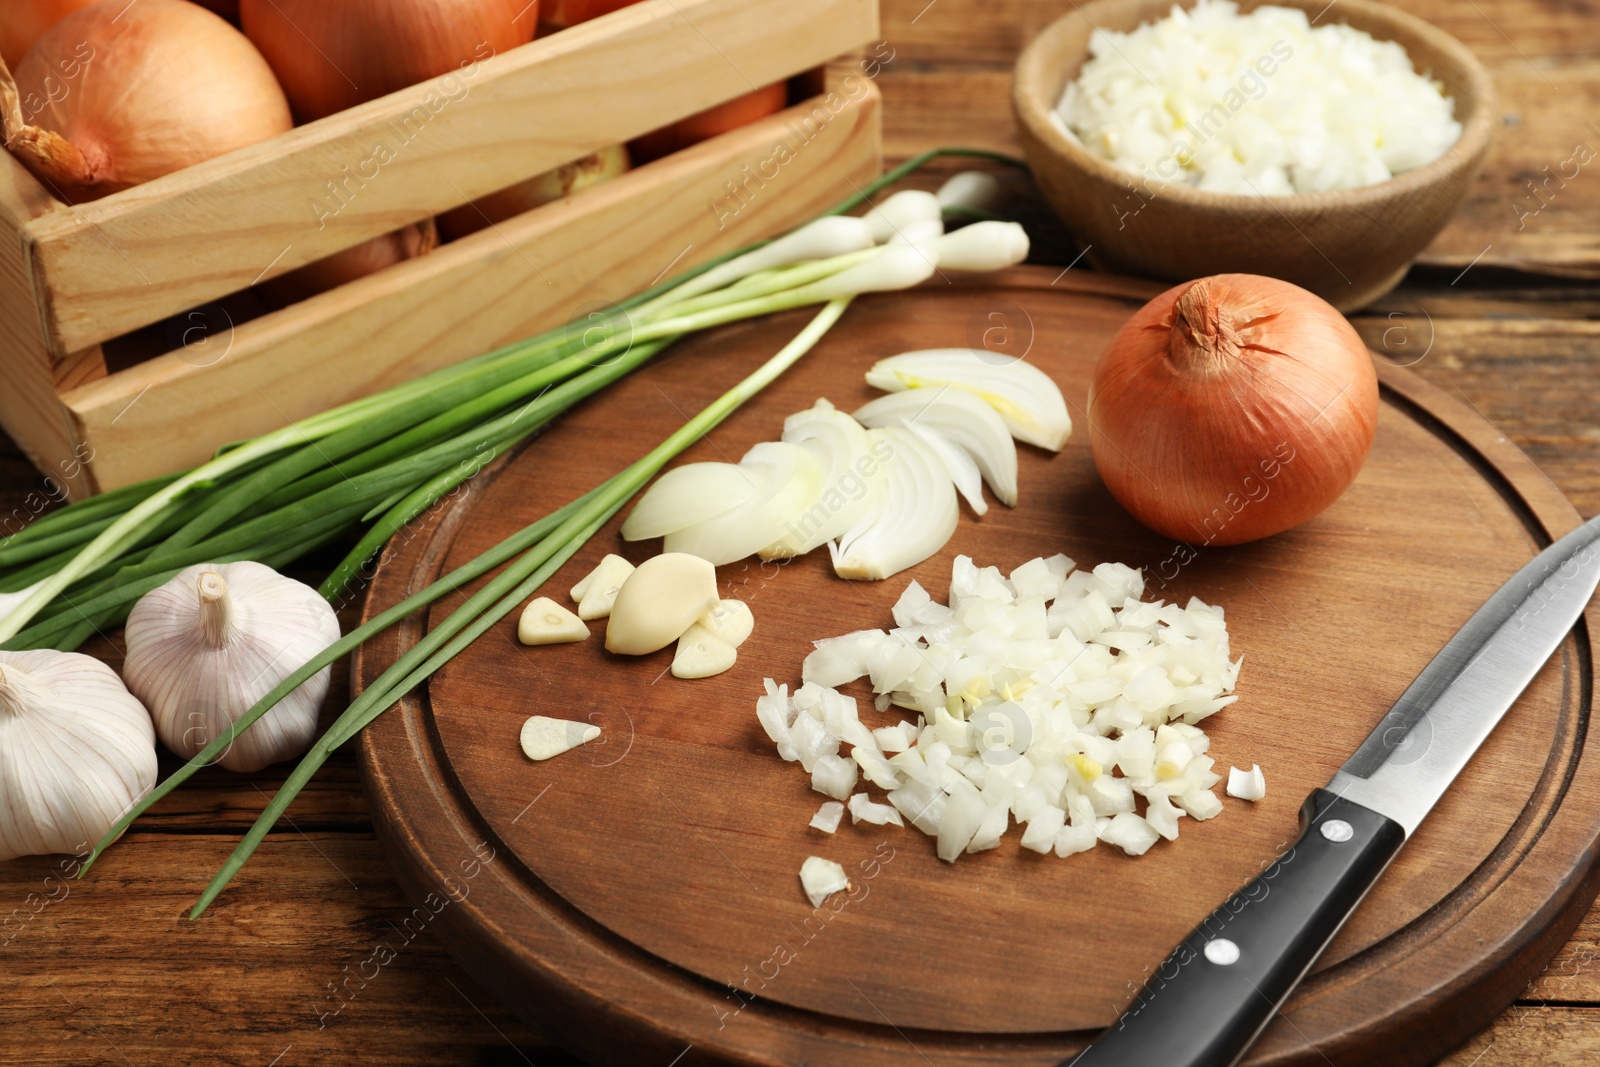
(1232, 408)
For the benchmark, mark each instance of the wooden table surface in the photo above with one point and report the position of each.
(1504, 311)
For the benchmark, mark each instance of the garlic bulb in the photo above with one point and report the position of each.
(76, 751)
(204, 647)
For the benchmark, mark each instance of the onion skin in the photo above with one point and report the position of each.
(331, 55)
(1232, 408)
(116, 95)
(559, 14)
(537, 191)
(26, 20)
(366, 258)
(728, 115)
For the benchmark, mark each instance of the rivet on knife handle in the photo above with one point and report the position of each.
(1205, 1004)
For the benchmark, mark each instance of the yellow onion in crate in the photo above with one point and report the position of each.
(118, 94)
(537, 191)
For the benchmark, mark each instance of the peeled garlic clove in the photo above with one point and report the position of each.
(544, 737)
(686, 495)
(216, 638)
(78, 750)
(600, 592)
(659, 601)
(1030, 404)
(917, 517)
(544, 622)
(701, 654)
(730, 620)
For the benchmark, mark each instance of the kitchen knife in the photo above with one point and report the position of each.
(1207, 1002)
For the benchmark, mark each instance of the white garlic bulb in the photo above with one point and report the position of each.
(216, 638)
(76, 751)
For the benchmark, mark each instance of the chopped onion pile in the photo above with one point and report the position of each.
(1259, 104)
(878, 489)
(1055, 697)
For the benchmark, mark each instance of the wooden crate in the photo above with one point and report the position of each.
(75, 277)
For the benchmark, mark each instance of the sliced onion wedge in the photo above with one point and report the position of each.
(917, 516)
(962, 419)
(790, 481)
(1022, 395)
(852, 488)
(963, 470)
(690, 494)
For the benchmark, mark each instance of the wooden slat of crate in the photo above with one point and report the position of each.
(537, 271)
(115, 264)
(29, 406)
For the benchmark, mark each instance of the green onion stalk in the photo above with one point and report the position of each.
(381, 462)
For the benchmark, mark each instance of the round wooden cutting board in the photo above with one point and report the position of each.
(640, 896)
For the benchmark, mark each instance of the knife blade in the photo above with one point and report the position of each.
(1205, 1005)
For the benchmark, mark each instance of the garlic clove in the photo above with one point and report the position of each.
(600, 592)
(543, 737)
(216, 638)
(731, 620)
(701, 654)
(79, 750)
(544, 622)
(659, 601)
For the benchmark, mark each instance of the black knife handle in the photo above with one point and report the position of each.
(1207, 1002)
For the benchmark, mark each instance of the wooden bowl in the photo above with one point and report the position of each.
(1349, 246)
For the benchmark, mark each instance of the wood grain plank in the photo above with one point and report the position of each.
(950, 34)
(314, 956)
(1547, 1035)
(655, 62)
(1557, 425)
